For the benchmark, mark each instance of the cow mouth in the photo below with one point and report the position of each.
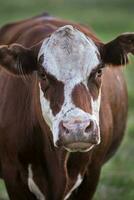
(78, 147)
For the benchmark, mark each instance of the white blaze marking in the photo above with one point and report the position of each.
(32, 185)
(66, 57)
(77, 184)
(70, 58)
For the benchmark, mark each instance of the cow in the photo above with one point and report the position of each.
(63, 107)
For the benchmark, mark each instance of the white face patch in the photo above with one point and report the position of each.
(32, 185)
(76, 185)
(69, 52)
(70, 57)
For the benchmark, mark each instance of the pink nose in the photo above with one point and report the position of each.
(78, 126)
(79, 131)
(79, 134)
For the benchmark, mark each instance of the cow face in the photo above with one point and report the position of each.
(70, 88)
(69, 66)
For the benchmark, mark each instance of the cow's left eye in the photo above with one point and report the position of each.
(42, 74)
(99, 73)
(43, 77)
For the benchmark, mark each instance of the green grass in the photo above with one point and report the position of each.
(107, 19)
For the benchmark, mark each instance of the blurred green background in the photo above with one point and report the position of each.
(108, 19)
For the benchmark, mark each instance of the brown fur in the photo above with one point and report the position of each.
(25, 138)
(81, 98)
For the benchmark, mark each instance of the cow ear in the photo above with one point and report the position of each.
(17, 59)
(116, 52)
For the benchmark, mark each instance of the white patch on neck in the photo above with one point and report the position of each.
(76, 185)
(32, 185)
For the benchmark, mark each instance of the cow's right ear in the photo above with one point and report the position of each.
(17, 59)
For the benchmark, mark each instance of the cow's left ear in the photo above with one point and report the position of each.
(17, 59)
(116, 52)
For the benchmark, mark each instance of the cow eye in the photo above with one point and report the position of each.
(45, 83)
(43, 77)
(99, 73)
(44, 80)
(42, 74)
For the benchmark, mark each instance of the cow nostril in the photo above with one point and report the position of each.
(89, 127)
(67, 131)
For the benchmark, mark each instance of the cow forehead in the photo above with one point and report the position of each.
(68, 54)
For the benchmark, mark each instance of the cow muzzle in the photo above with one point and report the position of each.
(79, 135)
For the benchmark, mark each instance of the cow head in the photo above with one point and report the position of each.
(69, 67)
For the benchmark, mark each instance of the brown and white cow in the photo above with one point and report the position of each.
(61, 91)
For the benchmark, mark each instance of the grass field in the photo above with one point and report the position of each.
(107, 19)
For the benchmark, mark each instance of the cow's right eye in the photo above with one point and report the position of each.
(45, 83)
(44, 80)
